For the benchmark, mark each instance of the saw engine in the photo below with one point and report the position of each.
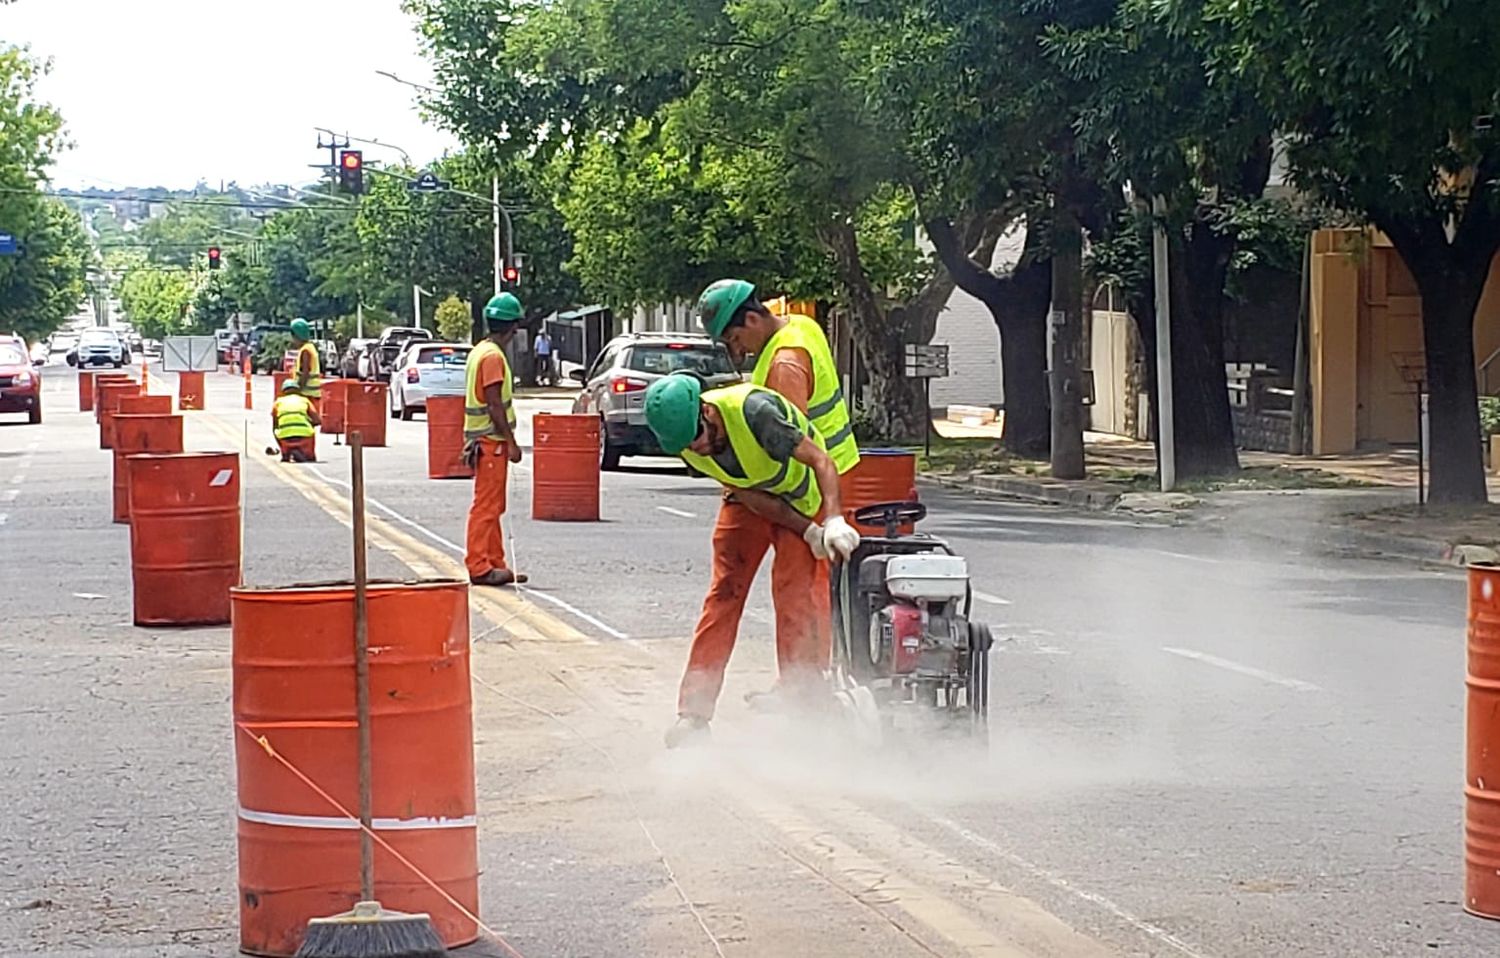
(904, 637)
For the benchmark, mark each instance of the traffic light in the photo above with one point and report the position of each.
(511, 275)
(214, 256)
(352, 171)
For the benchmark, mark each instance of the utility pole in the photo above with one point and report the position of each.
(1065, 335)
(495, 210)
(333, 146)
(1166, 432)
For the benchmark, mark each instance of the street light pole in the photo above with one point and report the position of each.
(1166, 439)
(495, 209)
(416, 304)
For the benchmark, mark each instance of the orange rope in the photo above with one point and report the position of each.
(265, 744)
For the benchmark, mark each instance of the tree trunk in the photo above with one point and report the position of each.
(1018, 306)
(1066, 339)
(1203, 423)
(1449, 300)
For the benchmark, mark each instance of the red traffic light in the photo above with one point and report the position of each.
(214, 255)
(353, 159)
(352, 171)
(511, 274)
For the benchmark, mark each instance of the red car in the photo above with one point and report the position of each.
(20, 385)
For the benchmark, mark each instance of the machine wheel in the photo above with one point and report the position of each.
(406, 411)
(981, 640)
(609, 453)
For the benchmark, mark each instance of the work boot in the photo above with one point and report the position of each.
(499, 577)
(690, 730)
(770, 702)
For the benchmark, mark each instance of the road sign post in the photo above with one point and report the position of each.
(926, 361)
(9, 246)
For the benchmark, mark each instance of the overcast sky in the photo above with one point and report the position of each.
(167, 92)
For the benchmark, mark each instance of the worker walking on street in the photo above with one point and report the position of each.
(793, 359)
(307, 373)
(490, 445)
(294, 421)
(757, 444)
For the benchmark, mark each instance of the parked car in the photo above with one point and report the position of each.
(39, 353)
(388, 350)
(20, 384)
(99, 347)
(614, 387)
(62, 343)
(225, 340)
(427, 369)
(348, 365)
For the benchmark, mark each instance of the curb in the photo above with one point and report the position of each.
(1094, 497)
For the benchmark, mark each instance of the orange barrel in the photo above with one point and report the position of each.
(294, 686)
(134, 405)
(365, 410)
(136, 433)
(184, 536)
(882, 475)
(190, 390)
(110, 396)
(1482, 772)
(85, 390)
(277, 378)
(445, 439)
(331, 400)
(100, 379)
(565, 468)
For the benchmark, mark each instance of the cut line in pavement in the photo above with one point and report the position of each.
(990, 599)
(677, 512)
(1241, 669)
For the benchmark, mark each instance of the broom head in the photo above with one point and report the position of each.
(370, 931)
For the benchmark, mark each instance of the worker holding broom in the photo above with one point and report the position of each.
(308, 371)
(758, 445)
(490, 445)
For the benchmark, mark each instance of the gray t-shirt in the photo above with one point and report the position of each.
(772, 428)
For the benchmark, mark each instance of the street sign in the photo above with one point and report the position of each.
(189, 354)
(428, 182)
(926, 361)
(8, 245)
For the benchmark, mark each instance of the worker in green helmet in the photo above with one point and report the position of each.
(792, 357)
(754, 442)
(308, 370)
(490, 444)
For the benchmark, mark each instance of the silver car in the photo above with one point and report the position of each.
(614, 386)
(427, 369)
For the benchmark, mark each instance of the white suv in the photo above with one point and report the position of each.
(101, 347)
(427, 369)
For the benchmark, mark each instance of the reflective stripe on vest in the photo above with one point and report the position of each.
(825, 407)
(477, 421)
(307, 355)
(791, 480)
(293, 419)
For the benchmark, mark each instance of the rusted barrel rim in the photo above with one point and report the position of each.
(181, 455)
(339, 586)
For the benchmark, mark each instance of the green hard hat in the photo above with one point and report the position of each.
(718, 303)
(504, 309)
(672, 411)
(302, 329)
(290, 386)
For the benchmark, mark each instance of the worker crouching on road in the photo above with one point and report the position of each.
(295, 422)
(759, 446)
(793, 359)
(490, 444)
(307, 374)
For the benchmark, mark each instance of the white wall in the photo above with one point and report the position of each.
(967, 328)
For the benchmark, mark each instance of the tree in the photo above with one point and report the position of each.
(1387, 108)
(454, 320)
(44, 285)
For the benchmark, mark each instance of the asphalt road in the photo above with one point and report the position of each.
(1203, 746)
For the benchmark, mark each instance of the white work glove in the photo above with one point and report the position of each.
(839, 538)
(813, 536)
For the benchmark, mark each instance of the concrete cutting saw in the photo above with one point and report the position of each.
(906, 652)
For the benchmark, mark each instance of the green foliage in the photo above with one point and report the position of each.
(454, 321)
(270, 350)
(156, 300)
(1489, 415)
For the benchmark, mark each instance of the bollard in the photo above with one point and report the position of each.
(85, 391)
(293, 683)
(184, 536)
(565, 468)
(190, 390)
(100, 379)
(331, 406)
(445, 438)
(1482, 768)
(111, 394)
(365, 411)
(249, 390)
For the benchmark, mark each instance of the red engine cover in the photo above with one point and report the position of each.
(906, 637)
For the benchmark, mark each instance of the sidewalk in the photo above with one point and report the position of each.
(1362, 502)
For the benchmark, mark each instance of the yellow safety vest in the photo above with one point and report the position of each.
(825, 407)
(477, 421)
(293, 417)
(307, 355)
(791, 480)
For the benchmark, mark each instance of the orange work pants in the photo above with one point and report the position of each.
(484, 542)
(799, 591)
(305, 447)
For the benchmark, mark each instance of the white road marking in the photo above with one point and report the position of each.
(9, 495)
(458, 550)
(990, 599)
(4, 518)
(89, 595)
(676, 512)
(1249, 670)
(1057, 881)
(1184, 555)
